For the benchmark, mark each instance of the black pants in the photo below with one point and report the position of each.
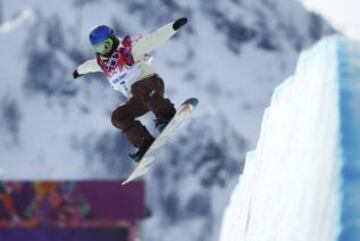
(147, 95)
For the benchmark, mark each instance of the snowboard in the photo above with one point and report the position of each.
(182, 113)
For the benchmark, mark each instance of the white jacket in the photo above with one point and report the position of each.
(141, 47)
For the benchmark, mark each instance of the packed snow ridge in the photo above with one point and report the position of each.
(300, 183)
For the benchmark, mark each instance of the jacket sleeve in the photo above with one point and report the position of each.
(89, 66)
(152, 41)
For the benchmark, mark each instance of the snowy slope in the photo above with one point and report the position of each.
(304, 172)
(230, 56)
(292, 176)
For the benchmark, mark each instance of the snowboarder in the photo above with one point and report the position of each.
(127, 65)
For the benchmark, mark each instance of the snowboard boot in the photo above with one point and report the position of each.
(162, 122)
(142, 150)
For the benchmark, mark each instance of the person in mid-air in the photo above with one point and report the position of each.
(127, 65)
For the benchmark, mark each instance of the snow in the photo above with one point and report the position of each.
(18, 20)
(293, 186)
(349, 65)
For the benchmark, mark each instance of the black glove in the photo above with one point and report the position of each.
(76, 74)
(179, 23)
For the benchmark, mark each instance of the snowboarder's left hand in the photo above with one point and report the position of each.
(179, 23)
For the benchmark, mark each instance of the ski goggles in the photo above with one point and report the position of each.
(104, 47)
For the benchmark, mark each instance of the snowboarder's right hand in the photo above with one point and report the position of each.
(76, 74)
(179, 23)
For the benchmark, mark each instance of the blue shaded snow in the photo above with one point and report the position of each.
(349, 78)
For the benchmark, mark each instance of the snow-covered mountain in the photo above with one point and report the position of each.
(230, 55)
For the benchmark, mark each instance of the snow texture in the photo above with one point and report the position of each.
(301, 182)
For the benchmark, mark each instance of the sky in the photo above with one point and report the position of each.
(342, 14)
